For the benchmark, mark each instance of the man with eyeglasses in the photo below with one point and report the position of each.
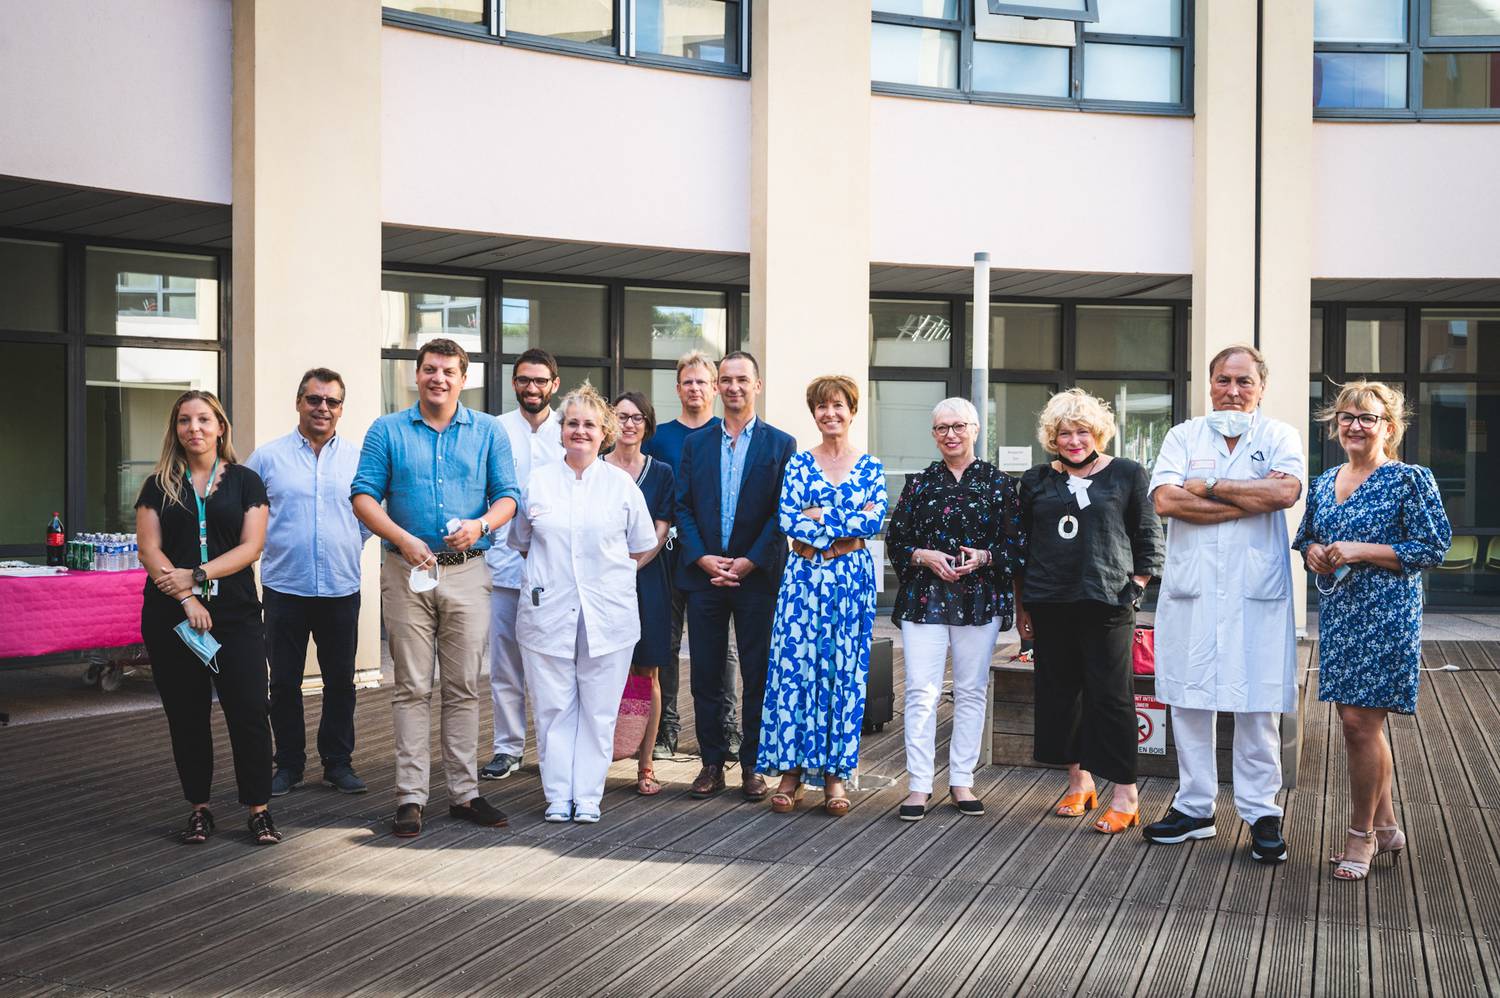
(696, 388)
(1225, 635)
(310, 577)
(535, 439)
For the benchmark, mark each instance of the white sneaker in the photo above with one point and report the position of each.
(557, 813)
(586, 814)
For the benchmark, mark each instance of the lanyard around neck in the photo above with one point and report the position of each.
(202, 502)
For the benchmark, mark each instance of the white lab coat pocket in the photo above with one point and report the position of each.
(1180, 578)
(1266, 575)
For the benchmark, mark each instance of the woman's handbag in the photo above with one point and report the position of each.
(1143, 652)
(635, 711)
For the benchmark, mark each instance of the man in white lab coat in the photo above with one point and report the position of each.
(1225, 634)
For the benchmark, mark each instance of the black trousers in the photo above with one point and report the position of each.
(671, 683)
(1085, 697)
(332, 622)
(186, 687)
(709, 612)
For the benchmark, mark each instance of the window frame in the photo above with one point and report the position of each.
(1418, 42)
(965, 92)
(76, 341)
(622, 50)
(1090, 10)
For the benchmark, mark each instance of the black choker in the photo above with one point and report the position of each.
(1093, 456)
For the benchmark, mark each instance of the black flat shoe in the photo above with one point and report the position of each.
(912, 812)
(263, 829)
(199, 827)
(969, 806)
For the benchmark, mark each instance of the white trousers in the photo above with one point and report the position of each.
(576, 702)
(924, 647)
(1257, 763)
(507, 674)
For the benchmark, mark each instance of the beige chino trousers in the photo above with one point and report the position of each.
(452, 624)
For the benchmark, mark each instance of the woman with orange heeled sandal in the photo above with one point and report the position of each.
(1094, 542)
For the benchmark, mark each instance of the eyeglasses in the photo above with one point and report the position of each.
(1366, 420)
(634, 419)
(521, 382)
(943, 429)
(315, 401)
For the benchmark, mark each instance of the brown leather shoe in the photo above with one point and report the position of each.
(754, 787)
(709, 781)
(408, 821)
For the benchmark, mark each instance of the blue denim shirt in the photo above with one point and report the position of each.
(425, 477)
(313, 539)
(731, 467)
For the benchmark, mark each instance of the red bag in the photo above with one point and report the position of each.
(635, 711)
(1143, 652)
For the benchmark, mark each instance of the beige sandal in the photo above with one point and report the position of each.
(1349, 869)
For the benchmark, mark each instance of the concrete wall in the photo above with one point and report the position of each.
(1043, 190)
(128, 95)
(1405, 200)
(490, 138)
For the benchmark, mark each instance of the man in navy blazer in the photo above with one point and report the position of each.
(732, 552)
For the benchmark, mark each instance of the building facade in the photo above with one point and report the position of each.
(223, 193)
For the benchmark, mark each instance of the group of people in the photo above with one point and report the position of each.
(568, 548)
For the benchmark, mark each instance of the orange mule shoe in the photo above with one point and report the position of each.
(1076, 805)
(1115, 822)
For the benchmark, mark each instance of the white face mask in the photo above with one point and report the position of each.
(1229, 423)
(423, 580)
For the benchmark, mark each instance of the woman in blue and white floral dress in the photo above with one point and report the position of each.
(832, 498)
(1371, 526)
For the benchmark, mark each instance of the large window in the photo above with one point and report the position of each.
(1447, 362)
(1406, 58)
(611, 334)
(706, 35)
(1120, 54)
(96, 374)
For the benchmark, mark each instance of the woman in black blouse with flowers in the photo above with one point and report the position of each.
(955, 541)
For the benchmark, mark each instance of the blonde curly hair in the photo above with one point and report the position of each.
(585, 397)
(1356, 396)
(1079, 408)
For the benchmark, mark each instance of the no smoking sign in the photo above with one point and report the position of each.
(1151, 725)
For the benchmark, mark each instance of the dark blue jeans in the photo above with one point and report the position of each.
(333, 623)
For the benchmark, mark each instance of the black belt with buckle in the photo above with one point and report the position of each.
(456, 557)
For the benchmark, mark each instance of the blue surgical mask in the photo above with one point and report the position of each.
(204, 645)
(1230, 423)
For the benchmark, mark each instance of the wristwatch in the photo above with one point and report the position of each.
(484, 527)
(199, 576)
(1209, 484)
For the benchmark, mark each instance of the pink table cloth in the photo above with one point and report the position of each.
(76, 611)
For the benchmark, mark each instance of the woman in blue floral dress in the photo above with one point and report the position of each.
(1371, 526)
(832, 498)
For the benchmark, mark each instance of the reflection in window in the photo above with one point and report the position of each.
(398, 385)
(464, 11)
(941, 9)
(33, 448)
(1361, 21)
(910, 334)
(1315, 341)
(1022, 337)
(689, 29)
(586, 22)
(901, 436)
(660, 387)
(1317, 432)
(1375, 340)
(1143, 415)
(1132, 73)
(1162, 18)
(919, 57)
(1124, 338)
(1459, 80)
(1460, 18)
(1011, 421)
(418, 307)
(664, 325)
(31, 286)
(128, 397)
(571, 320)
(1460, 340)
(1453, 424)
(1037, 70)
(1359, 80)
(163, 295)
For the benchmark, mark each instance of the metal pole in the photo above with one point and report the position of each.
(979, 334)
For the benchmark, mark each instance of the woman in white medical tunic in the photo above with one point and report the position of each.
(584, 529)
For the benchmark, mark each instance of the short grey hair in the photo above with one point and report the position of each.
(957, 406)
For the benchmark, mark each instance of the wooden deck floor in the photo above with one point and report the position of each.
(674, 896)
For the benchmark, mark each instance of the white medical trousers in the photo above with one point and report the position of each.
(507, 676)
(1257, 763)
(923, 648)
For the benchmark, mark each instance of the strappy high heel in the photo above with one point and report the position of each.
(1388, 839)
(786, 803)
(1349, 869)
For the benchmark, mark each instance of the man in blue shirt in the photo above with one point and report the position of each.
(732, 554)
(309, 574)
(447, 480)
(696, 388)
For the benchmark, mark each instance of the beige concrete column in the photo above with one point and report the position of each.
(306, 216)
(809, 202)
(1285, 223)
(1223, 186)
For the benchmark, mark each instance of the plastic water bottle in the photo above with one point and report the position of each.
(135, 552)
(107, 549)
